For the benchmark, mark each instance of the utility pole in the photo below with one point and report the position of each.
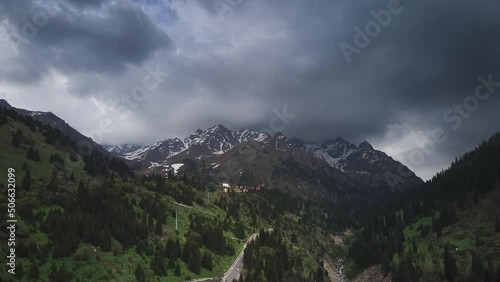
(176, 221)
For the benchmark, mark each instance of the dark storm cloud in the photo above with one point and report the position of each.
(105, 40)
(427, 59)
(269, 54)
(85, 3)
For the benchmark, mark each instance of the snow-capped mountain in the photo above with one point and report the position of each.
(280, 164)
(362, 161)
(122, 149)
(363, 164)
(215, 140)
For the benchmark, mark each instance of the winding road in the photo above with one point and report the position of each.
(233, 272)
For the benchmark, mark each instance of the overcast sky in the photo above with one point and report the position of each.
(100, 65)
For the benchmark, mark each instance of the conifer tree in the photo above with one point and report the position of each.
(498, 273)
(34, 272)
(54, 273)
(386, 267)
(139, 273)
(19, 271)
(26, 181)
(17, 139)
(105, 242)
(194, 263)
(207, 261)
(177, 271)
(33, 155)
(450, 266)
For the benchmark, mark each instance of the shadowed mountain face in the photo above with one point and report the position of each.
(56, 122)
(253, 158)
(370, 166)
(215, 140)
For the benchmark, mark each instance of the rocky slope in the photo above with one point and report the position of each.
(214, 149)
(54, 121)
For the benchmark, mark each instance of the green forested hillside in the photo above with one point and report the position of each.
(447, 229)
(84, 216)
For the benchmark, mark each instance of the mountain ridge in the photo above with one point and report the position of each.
(49, 118)
(373, 168)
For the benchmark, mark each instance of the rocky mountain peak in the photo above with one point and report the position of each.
(5, 104)
(366, 145)
(217, 128)
(279, 135)
(360, 162)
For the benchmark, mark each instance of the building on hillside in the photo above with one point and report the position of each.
(226, 188)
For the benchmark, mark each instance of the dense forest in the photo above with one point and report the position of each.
(447, 229)
(84, 215)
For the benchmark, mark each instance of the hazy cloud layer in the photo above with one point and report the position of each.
(91, 58)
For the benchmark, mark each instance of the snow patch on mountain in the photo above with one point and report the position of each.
(122, 149)
(215, 140)
(176, 167)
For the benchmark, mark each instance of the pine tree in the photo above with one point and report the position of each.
(17, 139)
(207, 262)
(105, 242)
(86, 235)
(64, 274)
(498, 273)
(19, 271)
(139, 273)
(171, 260)
(439, 228)
(486, 275)
(479, 242)
(177, 248)
(141, 247)
(26, 181)
(186, 252)
(177, 271)
(159, 228)
(33, 155)
(475, 197)
(34, 272)
(194, 263)
(386, 266)
(53, 272)
(240, 231)
(319, 275)
(450, 266)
